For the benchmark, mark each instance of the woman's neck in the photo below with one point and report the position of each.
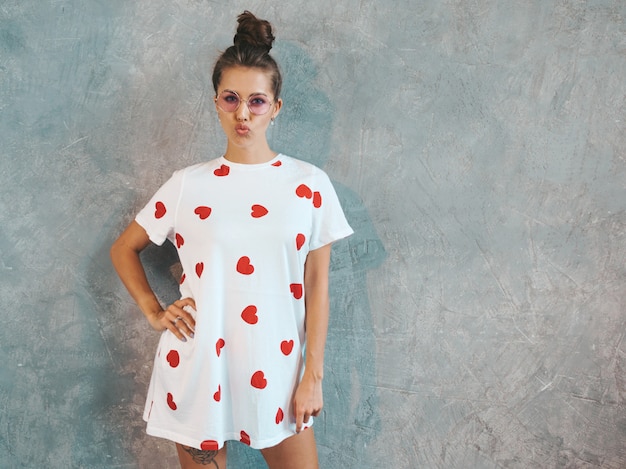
(252, 155)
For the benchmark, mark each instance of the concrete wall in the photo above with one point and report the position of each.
(478, 147)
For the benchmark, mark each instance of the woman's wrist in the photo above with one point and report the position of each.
(150, 307)
(314, 373)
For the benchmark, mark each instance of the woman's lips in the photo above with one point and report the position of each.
(242, 129)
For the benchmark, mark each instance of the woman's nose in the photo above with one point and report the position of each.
(243, 113)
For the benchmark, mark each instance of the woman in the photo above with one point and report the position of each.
(241, 354)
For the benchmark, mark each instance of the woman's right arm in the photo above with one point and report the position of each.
(125, 257)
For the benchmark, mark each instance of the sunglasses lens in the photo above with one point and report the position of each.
(259, 104)
(228, 101)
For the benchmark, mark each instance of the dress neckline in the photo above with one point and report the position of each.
(250, 166)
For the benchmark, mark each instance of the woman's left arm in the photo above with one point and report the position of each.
(308, 400)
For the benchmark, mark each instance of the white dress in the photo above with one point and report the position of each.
(242, 233)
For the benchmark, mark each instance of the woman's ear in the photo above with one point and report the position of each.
(277, 105)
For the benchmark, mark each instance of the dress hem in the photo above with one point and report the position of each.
(193, 442)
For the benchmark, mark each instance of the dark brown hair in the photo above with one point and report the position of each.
(251, 48)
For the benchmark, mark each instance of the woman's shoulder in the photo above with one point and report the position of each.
(301, 166)
(198, 168)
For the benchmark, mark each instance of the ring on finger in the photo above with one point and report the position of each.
(177, 319)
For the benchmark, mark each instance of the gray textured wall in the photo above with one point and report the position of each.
(478, 147)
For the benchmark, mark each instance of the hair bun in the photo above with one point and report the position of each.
(253, 32)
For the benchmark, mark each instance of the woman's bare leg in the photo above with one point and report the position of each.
(192, 458)
(298, 451)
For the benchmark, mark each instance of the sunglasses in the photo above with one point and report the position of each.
(229, 101)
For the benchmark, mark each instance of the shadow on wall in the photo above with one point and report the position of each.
(350, 419)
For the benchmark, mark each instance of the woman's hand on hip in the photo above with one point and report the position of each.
(176, 319)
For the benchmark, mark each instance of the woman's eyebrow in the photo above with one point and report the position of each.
(257, 93)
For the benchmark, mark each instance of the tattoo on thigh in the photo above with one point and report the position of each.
(202, 457)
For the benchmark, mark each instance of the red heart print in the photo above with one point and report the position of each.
(317, 199)
(249, 314)
(219, 346)
(218, 395)
(222, 170)
(182, 278)
(258, 380)
(244, 438)
(170, 401)
(173, 358)
(199, 269)
(203, 212)
(280, 415)
(277, 163)
(209, 445)
(179, 240)
(244, 267)
(300, 239)
(286, 346)
(258, 211)
(160, 210)
(296, 290)
(304, 191)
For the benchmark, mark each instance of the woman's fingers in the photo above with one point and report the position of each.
(302, 419)
(303, 416)
(299, 421)
(178, 320)
(308, 401)
(187, 316)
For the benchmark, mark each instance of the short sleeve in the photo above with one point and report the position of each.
(329, 221)
(159, 215)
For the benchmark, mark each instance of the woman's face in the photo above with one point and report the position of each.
(253, 86)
